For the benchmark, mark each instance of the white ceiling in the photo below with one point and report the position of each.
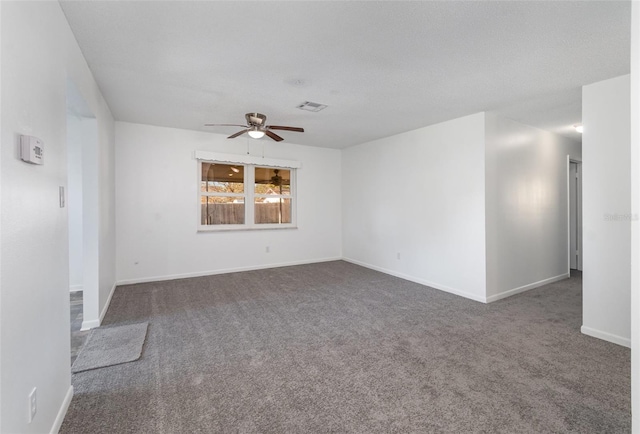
(381, 67)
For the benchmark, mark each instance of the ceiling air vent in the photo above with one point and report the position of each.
(311, 106)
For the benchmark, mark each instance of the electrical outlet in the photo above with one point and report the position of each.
(267, 249)
(33, 405)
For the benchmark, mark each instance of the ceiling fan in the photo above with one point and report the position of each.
(257, 128)
(276, 179)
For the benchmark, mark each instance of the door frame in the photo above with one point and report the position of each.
(86, 132)
(579, 243)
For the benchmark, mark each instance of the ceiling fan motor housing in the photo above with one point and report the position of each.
(257, 119)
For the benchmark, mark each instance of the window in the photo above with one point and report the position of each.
(245, 196)
(222, 194)
(272, 196)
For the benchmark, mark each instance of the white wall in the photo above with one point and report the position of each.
(157, 207)
(607, 210)
(635, 209)
(526, 206)
(1, 329)
(34, 319)
(91, 217)
(420, 194)
(106, 205)
(74, 199)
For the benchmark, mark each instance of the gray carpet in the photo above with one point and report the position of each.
(338, 348)
(108, 346)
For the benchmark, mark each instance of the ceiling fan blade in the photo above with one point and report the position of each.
(274, 136)
(239, 133)
(277, 127)
(225, 125)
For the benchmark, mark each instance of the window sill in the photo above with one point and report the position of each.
(236, 228)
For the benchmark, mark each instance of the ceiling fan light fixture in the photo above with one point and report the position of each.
(256, 133)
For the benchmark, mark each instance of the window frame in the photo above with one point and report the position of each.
(249, 165)
(207, 194)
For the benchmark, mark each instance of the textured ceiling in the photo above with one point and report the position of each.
(381, 67)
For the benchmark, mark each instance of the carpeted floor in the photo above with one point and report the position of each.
(108, 346)
(334, 347)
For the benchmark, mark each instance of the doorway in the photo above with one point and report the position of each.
(575, 215)
(82, 217)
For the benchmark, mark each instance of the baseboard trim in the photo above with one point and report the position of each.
(108, 303)
(62, 412)
(437, 286)
(524, 288)
(223, 271)
(635, 422)
(614, 339)
(88, 325)
(75, 288)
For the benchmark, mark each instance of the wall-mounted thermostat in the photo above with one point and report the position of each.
(31, 150)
